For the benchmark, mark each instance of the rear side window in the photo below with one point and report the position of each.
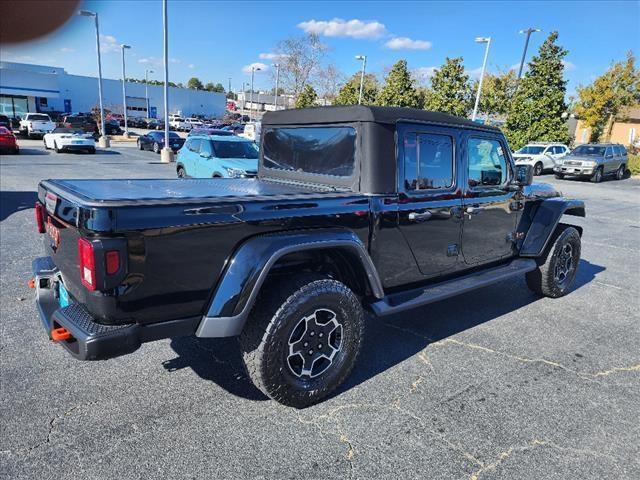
(205, 147)
(316, 150)
(44, 118)
(428, 161)
(194, 145)
(623, 151)
(487, 162)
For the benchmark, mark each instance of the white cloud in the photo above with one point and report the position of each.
(159, 62)
(67, 50)
(424, 73)
(475, 73)
(568, 66)
(345, 28)
(405, 43)
(13, 57)
(256, 65)
(191, 65)
(175, 60)
(109, 44)
(273, 56)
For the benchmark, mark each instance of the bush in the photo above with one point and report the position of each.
(634, 164)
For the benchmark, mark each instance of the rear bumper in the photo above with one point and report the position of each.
(89, 339)
(77, 147)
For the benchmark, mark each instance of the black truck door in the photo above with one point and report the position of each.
(429, 197)
(489, 210)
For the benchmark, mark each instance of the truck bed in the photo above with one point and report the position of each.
(115, 193)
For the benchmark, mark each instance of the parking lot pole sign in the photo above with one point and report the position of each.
(104, 140)
(486, 40)
(166, 155)
(123, 47)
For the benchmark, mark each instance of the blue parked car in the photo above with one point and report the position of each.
(214, 156)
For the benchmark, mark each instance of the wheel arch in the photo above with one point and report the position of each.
(546, 220)
(341, 252)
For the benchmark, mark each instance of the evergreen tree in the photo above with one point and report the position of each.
(497, 91)
(307, 97)
(350, 91)
(600, 102)
(399, 88)
(194, 83)
(450, 90)
(538, 105)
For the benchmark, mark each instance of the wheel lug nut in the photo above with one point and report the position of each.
(319, 346)
(312, 333)
(321, 335)
(306, 344)
(310, 352)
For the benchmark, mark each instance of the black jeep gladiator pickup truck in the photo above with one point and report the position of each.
(354, 208)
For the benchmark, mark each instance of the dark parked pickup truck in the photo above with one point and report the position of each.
(354, 208)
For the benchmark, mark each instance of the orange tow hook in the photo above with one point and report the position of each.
(31, 283)
(60, 334)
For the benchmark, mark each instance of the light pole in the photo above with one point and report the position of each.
(166, 155)
(486, 40)
(123, 47)
(244, 97)
(229, 90)
(528, 33)
(104, 140)
(253, 71)
(275, 97)
(146, 89)
(364, 65)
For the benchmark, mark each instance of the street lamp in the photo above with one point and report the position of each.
(275, 97)
(146, 89)
(166, 155)
(244, 96)
(364, 65)
(124, 47)
(104, 140)
(528, 33)
(253, 70)
(486, 40)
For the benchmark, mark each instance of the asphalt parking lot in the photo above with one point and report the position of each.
(497, 384)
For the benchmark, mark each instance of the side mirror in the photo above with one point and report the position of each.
(523, 176)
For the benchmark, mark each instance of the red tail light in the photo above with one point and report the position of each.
(87, 263)
(112, 261)
(39, 212)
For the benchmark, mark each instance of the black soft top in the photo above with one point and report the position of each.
(363, 113)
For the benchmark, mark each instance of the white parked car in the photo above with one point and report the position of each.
(36, 124)
(541, 156)
(69, 139)
(178, 123)
(194, 123)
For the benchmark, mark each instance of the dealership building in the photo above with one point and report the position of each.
(39, 88)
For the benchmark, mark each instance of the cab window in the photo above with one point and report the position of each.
(205, 147)
(487, 162)
(428, 161)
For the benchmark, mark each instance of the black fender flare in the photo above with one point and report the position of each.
(545, 221)
(245, 272)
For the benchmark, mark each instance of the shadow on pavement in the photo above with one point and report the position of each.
(388, 342)
(33, 151)
(12, 202)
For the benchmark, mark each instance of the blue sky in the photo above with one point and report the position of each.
(215, 40)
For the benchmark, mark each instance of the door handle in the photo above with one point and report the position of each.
(419, 217)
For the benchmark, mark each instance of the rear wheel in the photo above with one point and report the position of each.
(555, 275)
(45, 144)
(620, 172)
(597, 175)
(140, 145)
(92, 150)
(55, 146)
(181, 172)
(537, 169)
(302, 339)
(156, 147)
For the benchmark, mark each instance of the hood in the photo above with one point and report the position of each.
(246, 164)
(582, 158)
(541, 190)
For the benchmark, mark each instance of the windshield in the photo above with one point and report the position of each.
(531, 150)
(68, 130)
(589, 150)
(44, 118)
(235, 149)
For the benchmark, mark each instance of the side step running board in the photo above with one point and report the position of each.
(401, 301)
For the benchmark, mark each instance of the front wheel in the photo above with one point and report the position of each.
(620, 172)
(555, 275)
(156, 147)
(181, 172)
(537, 169)
(597, 176)
(92, 150)
(302, 339)
(46, 147)
(140, 145)
(56, 148)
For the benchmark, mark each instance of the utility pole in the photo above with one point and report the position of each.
(253, 70)
(275, 97)
(166, 155)
(146, 89)
(486, 40)
(124, 47)
(364, 65)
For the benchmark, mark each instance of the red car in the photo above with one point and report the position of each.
(8, 141)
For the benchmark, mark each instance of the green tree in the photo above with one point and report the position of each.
(399, 89)
(599, 103)
(307, 97)
(194, 83)
(350, 91)
(539, 103)
(450, 89)
(497, 92)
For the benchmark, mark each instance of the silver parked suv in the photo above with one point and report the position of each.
(594, 160)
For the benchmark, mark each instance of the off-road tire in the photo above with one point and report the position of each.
(538, 168)
(620, 173)
(266, 338)
(544, 279)
(597, 175)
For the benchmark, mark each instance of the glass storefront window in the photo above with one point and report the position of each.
(13, 106)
